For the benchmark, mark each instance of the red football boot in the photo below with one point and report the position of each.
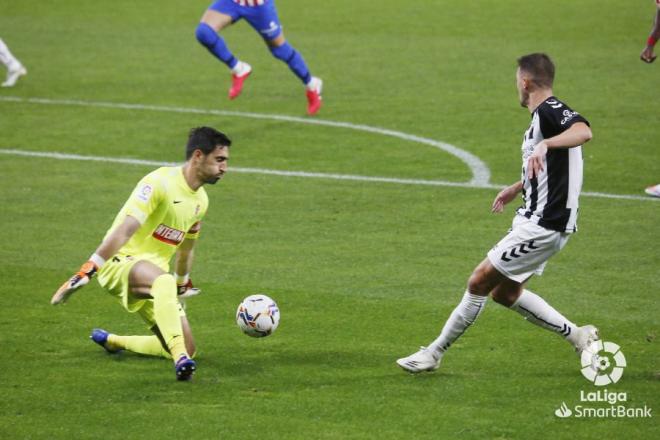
(314, 99)
(239, 74)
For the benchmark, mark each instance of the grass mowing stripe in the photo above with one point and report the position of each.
(303, 174)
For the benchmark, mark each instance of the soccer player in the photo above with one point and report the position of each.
(647, 54)
(550, 183)
(262, 16)
(14, 67)
(161, 219)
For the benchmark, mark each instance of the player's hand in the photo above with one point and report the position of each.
(535, 161)
(503, 197)
(187, 290)
(647, 55)
(74, 283)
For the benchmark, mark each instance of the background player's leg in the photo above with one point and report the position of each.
(264, 19)
(210, 24)
(14, 67)
(282, 50)
(221, 14)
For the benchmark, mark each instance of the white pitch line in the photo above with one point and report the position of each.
(480, 171)
(303, 174)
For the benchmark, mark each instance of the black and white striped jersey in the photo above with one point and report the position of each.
(551, 198)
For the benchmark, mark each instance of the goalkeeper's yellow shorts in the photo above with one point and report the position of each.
(113, 277)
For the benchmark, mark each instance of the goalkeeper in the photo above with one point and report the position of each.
(160, 219)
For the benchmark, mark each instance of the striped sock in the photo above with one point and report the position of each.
(537, 311)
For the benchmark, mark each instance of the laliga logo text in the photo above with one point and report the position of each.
(603, 363)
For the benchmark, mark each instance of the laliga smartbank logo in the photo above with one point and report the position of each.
(602, 364)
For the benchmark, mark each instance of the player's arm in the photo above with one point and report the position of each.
(118, 238)
(109, 247)
(576, 134)
(647, 54)
(182, 266)
(183, 261)
(505, 196)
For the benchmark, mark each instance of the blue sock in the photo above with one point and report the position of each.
(295, 61)
(215, 44)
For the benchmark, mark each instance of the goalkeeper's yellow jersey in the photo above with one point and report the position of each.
(169, 212)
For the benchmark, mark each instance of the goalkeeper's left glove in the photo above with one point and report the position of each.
(186, 290)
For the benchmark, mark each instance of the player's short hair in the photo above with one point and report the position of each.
(205, 139)
(540, 67)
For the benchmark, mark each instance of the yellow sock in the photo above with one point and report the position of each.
(149, 345)
(166, 313)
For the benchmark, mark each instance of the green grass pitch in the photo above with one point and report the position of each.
(364, 272)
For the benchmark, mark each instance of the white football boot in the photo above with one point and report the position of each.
(653, 191)
(423, 360)
(13, 74)
(585, 336)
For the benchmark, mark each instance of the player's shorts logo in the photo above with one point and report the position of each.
(518, 251)
(603, 363)
(272, 29)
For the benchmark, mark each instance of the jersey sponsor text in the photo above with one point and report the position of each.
(168, 235)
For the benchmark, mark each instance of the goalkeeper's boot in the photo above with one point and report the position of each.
(314, 99)
(239, 74)
(586, 335)
(185, 368)
(100, 336)
(13, 73)
(423, 360)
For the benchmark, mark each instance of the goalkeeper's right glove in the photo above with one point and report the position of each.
(82, 277)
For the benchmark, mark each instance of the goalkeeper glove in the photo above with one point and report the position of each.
(82, 277)
(187, 290)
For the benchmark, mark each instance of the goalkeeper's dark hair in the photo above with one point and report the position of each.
(205, 139)
(540, 67)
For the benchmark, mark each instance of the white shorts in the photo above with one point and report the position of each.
(526, 249)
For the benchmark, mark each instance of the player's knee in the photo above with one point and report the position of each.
(284, 52)
(206, 35)
(477, 284)
(164, 286)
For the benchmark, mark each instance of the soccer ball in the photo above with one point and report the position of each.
(258, 316)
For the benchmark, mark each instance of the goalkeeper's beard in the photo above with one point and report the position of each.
(212, 180)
